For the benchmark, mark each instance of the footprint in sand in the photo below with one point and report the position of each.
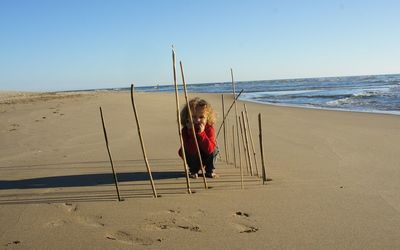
(15, 242)
(70, 207)
(127, 238)
(56, 223)
(191, 228)
(13, 127)
(173, 219)
(93, 221)
(243, 224)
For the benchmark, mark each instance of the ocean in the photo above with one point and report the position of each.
(372, 93)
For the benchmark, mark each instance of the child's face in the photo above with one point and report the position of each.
(199, 119)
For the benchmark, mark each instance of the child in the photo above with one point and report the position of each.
(203, 120)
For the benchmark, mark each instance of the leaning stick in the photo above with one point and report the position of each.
(142, 144)
(264, 173)
(192, 125)
(247, 143)
(233, 145)
(228, 153)
(223, 115)
(179, 124)
(244, 144)
(236, 117)
(227, 113)
(234, 156)
(109, 156)
(251, 140)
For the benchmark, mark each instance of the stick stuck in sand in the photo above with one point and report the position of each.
(236, 118)
(244, 144)
(234, 156)
(251, 140)
(109, 156)
(179, 123)
(224, 128)
(192, 125)
(227, 113)
(142, 144)
(264, 172)
(247, 149)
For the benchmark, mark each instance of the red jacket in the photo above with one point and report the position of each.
(205, 139)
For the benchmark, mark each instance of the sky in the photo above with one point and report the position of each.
(86, 44)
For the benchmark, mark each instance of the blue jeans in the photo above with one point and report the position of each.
(207, 159)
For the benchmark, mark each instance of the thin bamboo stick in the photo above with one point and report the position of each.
(234, 156)
(192, 125)
(223, 115)
(109, 156)
(247, 143)
(264, 172)
(142, 144)
(251, 140)
(244, 144)
(233, 145)
(227, 113)
(236, 118)
(179, 124)
(228, 153)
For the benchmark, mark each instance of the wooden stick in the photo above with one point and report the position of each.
(233, 145)
(142, 144)
(236, 118)
(179, 124)
(244, 144)
(223, 115)
(264, 173)
(109, 156)
(251, 140)
(228, 153)
(227, 113)
(247, 143)
(234, 157)
(192, 125)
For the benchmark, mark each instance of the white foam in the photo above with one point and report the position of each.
(386, 112)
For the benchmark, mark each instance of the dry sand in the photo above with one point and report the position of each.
(335, 178)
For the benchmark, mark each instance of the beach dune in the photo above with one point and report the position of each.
(335, 178)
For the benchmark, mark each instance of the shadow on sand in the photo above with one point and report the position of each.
(85, 180)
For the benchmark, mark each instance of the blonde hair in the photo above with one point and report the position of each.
(197, 103)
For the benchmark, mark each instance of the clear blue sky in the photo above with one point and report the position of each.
(68, 44)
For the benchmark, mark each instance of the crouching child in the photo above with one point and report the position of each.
(203, 120)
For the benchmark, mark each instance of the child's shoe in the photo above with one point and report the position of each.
(193, 175)
(211, 175)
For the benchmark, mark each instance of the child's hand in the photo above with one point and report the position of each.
(199, 127)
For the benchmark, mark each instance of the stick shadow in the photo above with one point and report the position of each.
(85, 180)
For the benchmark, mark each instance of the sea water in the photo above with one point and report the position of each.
(373, 93)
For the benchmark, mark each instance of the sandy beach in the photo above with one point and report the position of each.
(335, 178)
